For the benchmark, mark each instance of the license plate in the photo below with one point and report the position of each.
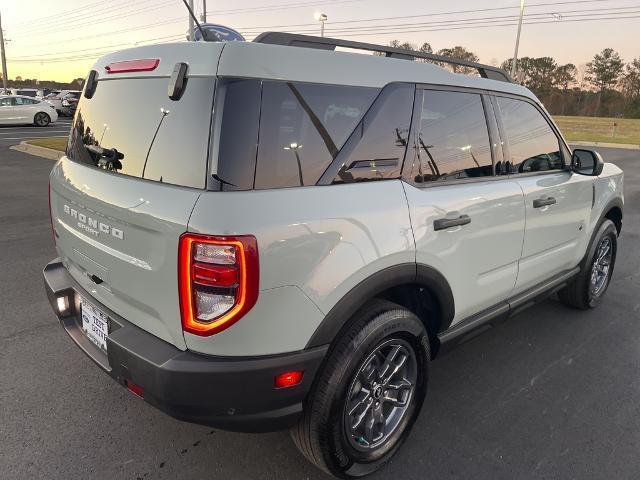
(95, 324)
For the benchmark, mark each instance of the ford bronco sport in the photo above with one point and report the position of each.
(271, 234)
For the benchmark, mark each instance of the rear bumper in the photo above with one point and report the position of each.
(232, 393)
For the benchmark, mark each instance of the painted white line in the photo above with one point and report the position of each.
(27, 138)
(35, 133)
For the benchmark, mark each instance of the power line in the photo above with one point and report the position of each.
(502, 18)
(366, 28)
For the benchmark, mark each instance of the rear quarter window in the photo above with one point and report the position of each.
(302, 129)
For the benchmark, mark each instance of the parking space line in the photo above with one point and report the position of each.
(27, 138)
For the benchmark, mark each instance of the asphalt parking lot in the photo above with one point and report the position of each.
(553, 393)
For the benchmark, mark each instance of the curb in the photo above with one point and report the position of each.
(626, 146)
(43, 152)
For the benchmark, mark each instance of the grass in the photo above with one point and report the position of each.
(600, 129)
(55, 143)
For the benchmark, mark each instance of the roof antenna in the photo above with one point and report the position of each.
(207, 35)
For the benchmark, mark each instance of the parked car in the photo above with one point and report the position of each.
(69, 104)
(56, 101)
(25, 110)
(25, 92)
(296, 256)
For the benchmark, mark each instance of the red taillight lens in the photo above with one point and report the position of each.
(142, 65)
(288, 379)
(218, 281)
(53, 230)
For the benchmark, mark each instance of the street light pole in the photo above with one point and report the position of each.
(515, 53)
(4, 58)
(204, 11)
(321, 17)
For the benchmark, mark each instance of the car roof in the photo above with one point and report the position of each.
(300, 64)
(248, 59)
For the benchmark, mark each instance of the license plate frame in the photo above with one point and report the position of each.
(95, 324)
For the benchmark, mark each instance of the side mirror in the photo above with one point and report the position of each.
(587, 162)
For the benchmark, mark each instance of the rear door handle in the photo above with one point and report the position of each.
(544, 202)
(445, 223)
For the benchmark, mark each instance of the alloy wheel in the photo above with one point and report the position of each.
(380, 394)
(601, 267)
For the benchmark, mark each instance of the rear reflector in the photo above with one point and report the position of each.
(288, 379)
(136, 389)
(142, 65)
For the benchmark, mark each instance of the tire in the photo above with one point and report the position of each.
(323, 435)
(583, 292)
(41, 119)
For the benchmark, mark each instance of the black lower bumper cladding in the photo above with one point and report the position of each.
(232, 393)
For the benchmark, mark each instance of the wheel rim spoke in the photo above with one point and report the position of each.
(601, 266)
(380, 394)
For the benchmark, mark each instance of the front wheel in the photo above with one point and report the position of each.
(41, 119)
(589, 286)
(368, 394)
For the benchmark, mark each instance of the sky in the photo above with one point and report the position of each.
(60, 40)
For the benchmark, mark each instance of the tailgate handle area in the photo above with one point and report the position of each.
(96, 279)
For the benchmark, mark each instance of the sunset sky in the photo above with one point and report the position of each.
(59, 40)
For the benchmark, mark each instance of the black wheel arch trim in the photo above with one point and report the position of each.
(616, 202)
(396, 275)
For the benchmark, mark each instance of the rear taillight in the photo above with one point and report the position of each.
(218, 281)
(53, 230)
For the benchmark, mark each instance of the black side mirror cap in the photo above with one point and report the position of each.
(586, 162)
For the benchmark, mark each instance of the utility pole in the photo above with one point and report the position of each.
(204, 11)
(515, 53)
(191, 24)
(4, 58)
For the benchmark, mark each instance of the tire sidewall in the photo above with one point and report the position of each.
(399, 323)
(46, 116)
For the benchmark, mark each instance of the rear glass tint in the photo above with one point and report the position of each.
(238, 140)
(302, 128)
(115, 130)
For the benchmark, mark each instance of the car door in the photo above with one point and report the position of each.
(467, 223)
(23, 110)
(7, 111)
(557, 201)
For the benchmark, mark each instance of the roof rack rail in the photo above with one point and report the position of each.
(324, 43)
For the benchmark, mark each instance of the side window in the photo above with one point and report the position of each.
(533, 145)
(377, 147)
(302, 128)
(19, 101)
(5, 102)
(452, 139)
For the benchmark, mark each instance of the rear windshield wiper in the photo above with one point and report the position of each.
(107, 158)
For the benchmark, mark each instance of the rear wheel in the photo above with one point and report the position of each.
(368, 394)
(41, 119)
(589, 286)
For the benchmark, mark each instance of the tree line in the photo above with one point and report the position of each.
(605, 86)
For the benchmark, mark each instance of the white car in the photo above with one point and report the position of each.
(57, 100)
(20, 110)
(269, 234)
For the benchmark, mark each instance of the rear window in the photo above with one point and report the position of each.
(132, 127)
